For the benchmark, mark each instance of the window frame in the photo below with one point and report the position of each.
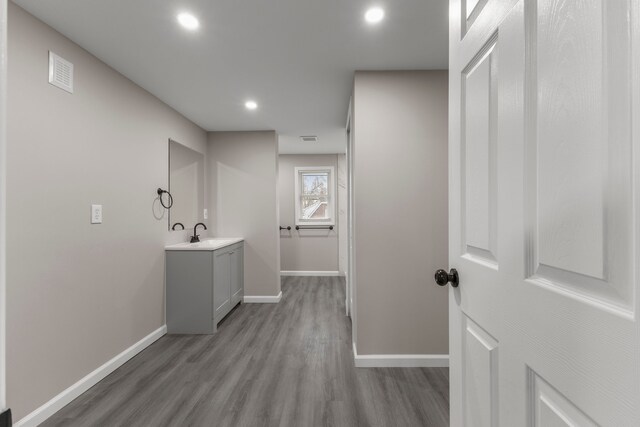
(331, 195)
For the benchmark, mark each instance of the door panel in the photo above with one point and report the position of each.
(221, 284)
(544, 202)
(478, 146)
(480, 378)
(237, 274)
(570, 140)
(471, 9)
(579, 173)
(551, 408)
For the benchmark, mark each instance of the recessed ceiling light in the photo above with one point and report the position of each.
(188, 21)
(251, 105)
(374, 15)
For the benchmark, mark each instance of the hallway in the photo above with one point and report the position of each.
(286, 364)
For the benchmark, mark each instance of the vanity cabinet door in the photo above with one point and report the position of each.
(237, 275)
(221, 283)
(189, 293)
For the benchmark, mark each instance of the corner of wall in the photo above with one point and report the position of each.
(245, 163)
(400, 115)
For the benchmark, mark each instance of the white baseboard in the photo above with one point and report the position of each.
(400, 360)
(263, 299)
(311, 273)
(61, 400)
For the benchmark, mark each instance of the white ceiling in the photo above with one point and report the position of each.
(296, 58)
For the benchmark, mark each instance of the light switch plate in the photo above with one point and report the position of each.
(206, 214)
(96, 214)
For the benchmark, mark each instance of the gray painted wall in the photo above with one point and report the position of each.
(243, 173)
(80, 293)
(304, 250)
(3, 145)
(400, 190)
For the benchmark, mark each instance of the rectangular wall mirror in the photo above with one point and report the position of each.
(186, 185)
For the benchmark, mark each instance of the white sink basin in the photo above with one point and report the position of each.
(210, 244)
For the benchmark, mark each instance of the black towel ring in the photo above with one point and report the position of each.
(160, 192)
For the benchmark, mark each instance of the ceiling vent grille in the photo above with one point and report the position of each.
(309, 138)
(60, 72)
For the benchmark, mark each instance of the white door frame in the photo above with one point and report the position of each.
(347, 296)
(3, 200)
(351, 272)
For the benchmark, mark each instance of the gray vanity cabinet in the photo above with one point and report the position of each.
(203, 287)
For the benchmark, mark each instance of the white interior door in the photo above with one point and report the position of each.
(545, 212)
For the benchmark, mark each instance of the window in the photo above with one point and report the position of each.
(315, 196)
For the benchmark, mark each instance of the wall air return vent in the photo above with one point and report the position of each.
(60, 72)
(309, 138)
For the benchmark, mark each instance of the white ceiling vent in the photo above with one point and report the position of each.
(60, 72)
(309, 138)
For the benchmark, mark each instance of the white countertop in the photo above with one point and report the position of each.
(207, 244)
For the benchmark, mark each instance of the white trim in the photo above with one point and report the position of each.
(263, 299)
(400, 360)
(311, 273)
(61, 400)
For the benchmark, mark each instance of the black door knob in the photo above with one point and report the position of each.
(442, 277)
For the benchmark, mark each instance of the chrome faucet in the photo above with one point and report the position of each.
(196, 237)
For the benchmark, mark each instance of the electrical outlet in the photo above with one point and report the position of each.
(206, 214)
(96, 214)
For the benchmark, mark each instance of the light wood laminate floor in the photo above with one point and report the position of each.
(286, 364)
